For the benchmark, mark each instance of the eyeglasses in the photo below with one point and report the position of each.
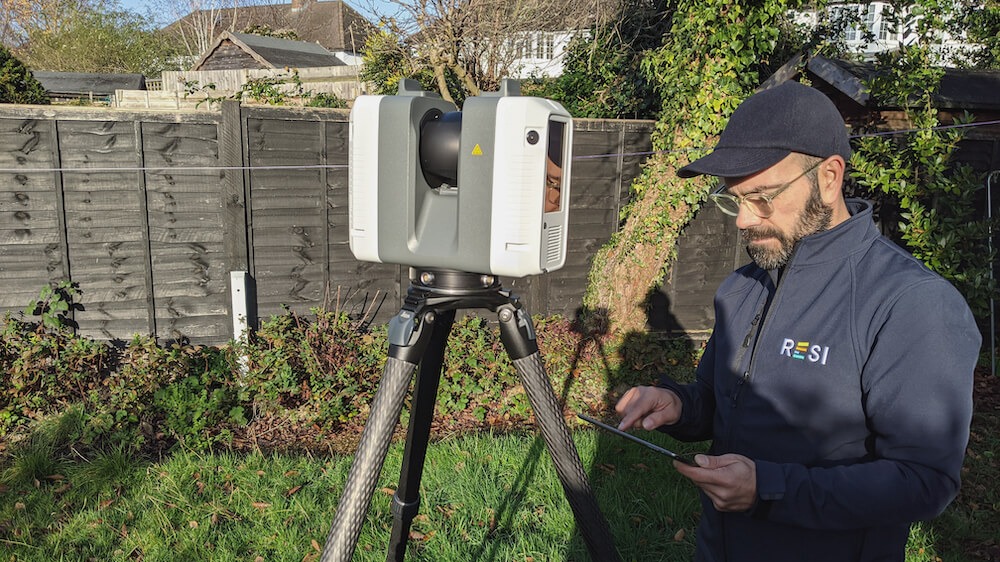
(758, 203)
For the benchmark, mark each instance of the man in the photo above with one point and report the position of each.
(837, 385)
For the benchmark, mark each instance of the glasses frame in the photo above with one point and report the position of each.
(757, 200)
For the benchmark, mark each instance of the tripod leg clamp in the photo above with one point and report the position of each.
(404, 511)
(517, 332)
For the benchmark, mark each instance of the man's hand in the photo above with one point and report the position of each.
(730, 481)
(648, 407)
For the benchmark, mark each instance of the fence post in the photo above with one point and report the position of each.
(143, 197)
(235, 200)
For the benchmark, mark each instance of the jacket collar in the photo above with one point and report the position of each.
(852, 235)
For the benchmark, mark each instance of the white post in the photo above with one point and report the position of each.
(240, 308)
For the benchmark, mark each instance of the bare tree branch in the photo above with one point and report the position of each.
(480, 41)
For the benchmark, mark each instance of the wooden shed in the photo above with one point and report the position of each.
(244, 51)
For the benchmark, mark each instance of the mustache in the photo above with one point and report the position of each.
(751, 234)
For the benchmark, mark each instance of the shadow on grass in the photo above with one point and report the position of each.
(590, 328)
(651, 510)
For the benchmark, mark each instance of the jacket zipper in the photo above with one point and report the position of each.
(757, 326)
(746, 344)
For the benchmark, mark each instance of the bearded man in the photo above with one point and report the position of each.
(836, 387)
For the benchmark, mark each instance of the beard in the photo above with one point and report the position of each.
(814, 218)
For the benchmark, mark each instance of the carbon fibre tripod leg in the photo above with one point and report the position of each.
(408, 335)
(517, 333)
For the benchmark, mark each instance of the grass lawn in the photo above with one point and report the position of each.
(484, 498)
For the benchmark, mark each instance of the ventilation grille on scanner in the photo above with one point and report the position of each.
(554, 246)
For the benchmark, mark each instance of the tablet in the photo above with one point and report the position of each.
(629, 436)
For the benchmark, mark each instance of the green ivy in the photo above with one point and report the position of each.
(709, 62)
(54, 304)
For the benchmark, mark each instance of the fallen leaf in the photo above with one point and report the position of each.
(388, 491)
(447, 510)
(315, 545)
(104, 504)
(679, 535)
(19, 506)
(261, 505)
(418, 536)
(291, 473)
(193, 524)
(293, 490)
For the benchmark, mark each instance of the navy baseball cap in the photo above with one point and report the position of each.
(770, 125)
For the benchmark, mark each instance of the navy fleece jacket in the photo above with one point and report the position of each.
(850, 386)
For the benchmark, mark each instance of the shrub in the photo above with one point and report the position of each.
(201, 408)
(323, 372)
(312, 378)
(326, 100)
(46, 369)
(17, 85)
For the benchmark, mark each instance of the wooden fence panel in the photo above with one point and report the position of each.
(32, 249)
(184, 204)
(106, 226)
(149, 212)
(707, 252)
(288, 213)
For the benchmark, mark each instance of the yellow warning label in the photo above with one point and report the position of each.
(477, 150)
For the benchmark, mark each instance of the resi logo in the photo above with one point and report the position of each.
(803, 351)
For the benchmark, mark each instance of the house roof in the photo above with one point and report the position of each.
(960, 89)
(272, 52)
(333, 24)
(86, 83)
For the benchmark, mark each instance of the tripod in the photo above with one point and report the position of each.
(418, 334)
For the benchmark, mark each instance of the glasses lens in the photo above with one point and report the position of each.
(759, 205)
(726, 203)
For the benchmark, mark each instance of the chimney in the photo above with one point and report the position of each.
(299, 5)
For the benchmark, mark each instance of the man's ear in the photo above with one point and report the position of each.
(830, 177)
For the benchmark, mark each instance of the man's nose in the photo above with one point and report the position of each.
(746, 218)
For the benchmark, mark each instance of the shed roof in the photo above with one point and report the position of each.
(272, 52)
(86, 83)
(960, 88)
